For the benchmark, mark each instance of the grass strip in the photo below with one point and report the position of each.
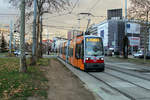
(19, 86)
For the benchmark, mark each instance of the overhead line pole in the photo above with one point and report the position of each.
(125, 9)
(34, 35)
(125, 38)
(11, 37)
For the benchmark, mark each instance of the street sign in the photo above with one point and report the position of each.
(133, 28)
(134, 41)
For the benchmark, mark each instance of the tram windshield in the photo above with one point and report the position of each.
(94, 47)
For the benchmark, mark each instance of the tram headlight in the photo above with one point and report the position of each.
(87, 58)
(101, 58)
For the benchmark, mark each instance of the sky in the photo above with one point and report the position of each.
(60, 24)
(7, 13)
(96, 7)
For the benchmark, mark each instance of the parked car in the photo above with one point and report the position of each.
(148, 55)
(17, 52)
(139, 54)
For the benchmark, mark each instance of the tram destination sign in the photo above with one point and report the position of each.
(93, 40)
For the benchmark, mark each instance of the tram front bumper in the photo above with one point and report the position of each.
(94, 66)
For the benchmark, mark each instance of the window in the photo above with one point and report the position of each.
(78, 51)
(71, 52)
(82, 50)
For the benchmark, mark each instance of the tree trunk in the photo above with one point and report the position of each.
(145, 37)
(33, 59)
(38, 36)
(125, 47)
(41, 30)
(23, 66)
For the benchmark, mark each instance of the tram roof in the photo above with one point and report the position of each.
(91, 36)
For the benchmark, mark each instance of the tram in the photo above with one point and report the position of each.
(84, 52)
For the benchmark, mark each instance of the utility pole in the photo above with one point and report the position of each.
(125, 9)
(86, 28)
(114, 42)
(23, 66)
(11, 37)
(79, 23)
(125, 38)
(149, 39)
(89, 20)
(132, 49)
(14, 46)
(41, 30)
(34, 35)
(145, 37)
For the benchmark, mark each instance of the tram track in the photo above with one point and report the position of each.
(118, 90)
(104, 88)
(131, 95)
(126, 88)
(127, 81)
(132, 73)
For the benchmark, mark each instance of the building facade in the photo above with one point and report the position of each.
(113, 31)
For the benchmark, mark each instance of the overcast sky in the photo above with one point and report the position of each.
(96, 7)
(7, 12)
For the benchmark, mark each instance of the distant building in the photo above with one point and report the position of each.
(57, 42)
(113, 31)
(5, 33)
(114, 14)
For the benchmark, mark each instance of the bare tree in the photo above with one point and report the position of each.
(43, 6)
(140, 9)
(47, 6)
(23, 66)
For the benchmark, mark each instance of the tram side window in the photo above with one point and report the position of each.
(60, 50)
(78, 51)
(82, 50)
(63, 50)
(70, 52)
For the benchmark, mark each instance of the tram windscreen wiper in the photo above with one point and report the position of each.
(95, 55)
